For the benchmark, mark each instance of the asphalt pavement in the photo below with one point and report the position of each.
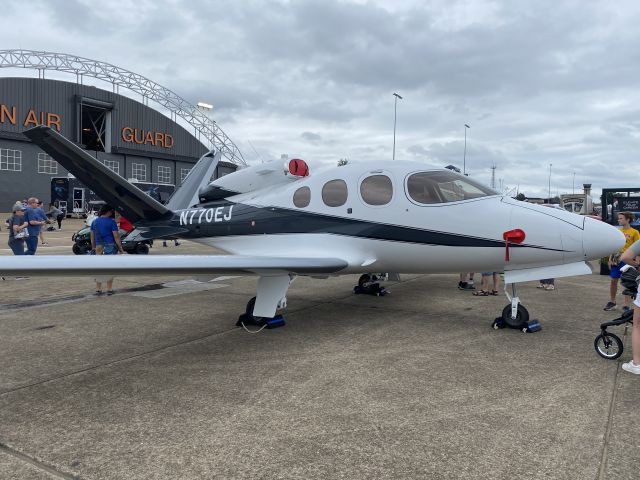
(158, 382)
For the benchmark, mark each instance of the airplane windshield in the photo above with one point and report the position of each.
(444, 187)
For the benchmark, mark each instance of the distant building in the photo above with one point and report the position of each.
(128, 137)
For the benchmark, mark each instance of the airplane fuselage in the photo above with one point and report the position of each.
(400, 235)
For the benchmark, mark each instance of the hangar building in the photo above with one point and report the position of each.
(132, 139)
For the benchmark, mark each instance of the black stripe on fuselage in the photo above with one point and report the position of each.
(249, 220)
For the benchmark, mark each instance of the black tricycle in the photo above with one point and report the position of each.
(607, 344)
(82, 243)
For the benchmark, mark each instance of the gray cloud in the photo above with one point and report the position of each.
(539, 83)
(311, 137)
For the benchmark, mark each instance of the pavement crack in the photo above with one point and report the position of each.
(119, 360)
(607, 434)
(36, 463)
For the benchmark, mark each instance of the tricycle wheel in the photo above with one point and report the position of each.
(608, 345)
(77, 249)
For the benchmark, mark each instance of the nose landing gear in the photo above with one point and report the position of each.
(515, 315)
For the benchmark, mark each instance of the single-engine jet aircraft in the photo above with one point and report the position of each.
(278, 221)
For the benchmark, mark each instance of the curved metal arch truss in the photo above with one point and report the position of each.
(119, 77)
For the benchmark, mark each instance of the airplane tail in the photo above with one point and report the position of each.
(187, 193)
(129, 200)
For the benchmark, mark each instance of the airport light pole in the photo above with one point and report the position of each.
(573, 186)
(464, 155)
(395, 116)
(549, 197)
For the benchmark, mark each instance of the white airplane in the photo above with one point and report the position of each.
(278, 221)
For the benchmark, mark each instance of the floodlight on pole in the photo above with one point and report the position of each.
(464, 155)
(549, 198)
(205, 106)
(395, 116)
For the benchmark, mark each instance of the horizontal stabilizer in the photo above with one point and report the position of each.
(554, 271)
(120, 265)
(129, 200)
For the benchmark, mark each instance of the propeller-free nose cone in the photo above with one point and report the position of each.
(600, 239)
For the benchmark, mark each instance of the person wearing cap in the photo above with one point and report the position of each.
(36, 218)
(17, 224)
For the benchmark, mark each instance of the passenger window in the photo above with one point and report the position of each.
(444, 187)
(376, 190)
(302, 197)
(334, 193)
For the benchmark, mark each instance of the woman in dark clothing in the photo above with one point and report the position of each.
(56, 214)
(17, 226)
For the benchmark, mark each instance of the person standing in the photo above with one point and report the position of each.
(630, 257)
(56, 214)
(105, 240)
(36, 219)
(46, 220)
(17, 228)
(631, 235)
(484, 290)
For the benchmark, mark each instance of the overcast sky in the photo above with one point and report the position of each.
(539, 83)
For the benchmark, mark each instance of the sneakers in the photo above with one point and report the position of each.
(542, 285)
(45, 244)
(609, 306)
(631, 367)
(626, 309)
(549, 286)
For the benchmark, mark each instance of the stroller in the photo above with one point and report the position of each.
(607, 344)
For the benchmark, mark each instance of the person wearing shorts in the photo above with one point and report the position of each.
(630, 256)
(484, 289)
(105, 240)
(631, 235)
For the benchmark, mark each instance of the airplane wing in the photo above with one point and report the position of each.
(121, 265)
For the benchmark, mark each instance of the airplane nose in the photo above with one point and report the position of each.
(600, 239)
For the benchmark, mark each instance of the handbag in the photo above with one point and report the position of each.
(22, 234)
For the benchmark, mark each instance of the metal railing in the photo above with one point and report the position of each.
(119, 77)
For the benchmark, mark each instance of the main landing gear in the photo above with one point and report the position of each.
(515, 315)
(368, 284)
(248, 318)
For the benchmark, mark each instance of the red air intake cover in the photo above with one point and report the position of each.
(298, 167)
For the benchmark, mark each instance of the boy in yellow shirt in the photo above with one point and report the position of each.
(631, 235)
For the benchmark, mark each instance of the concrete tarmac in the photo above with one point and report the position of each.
(157, 382)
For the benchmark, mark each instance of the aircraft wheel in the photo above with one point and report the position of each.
(608, 345)
(522, 316)
(364, 279)
(142, 249)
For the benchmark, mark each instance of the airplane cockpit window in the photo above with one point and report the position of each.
(334, 193)
(376, 190)
(302, 197)
(444, 187)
